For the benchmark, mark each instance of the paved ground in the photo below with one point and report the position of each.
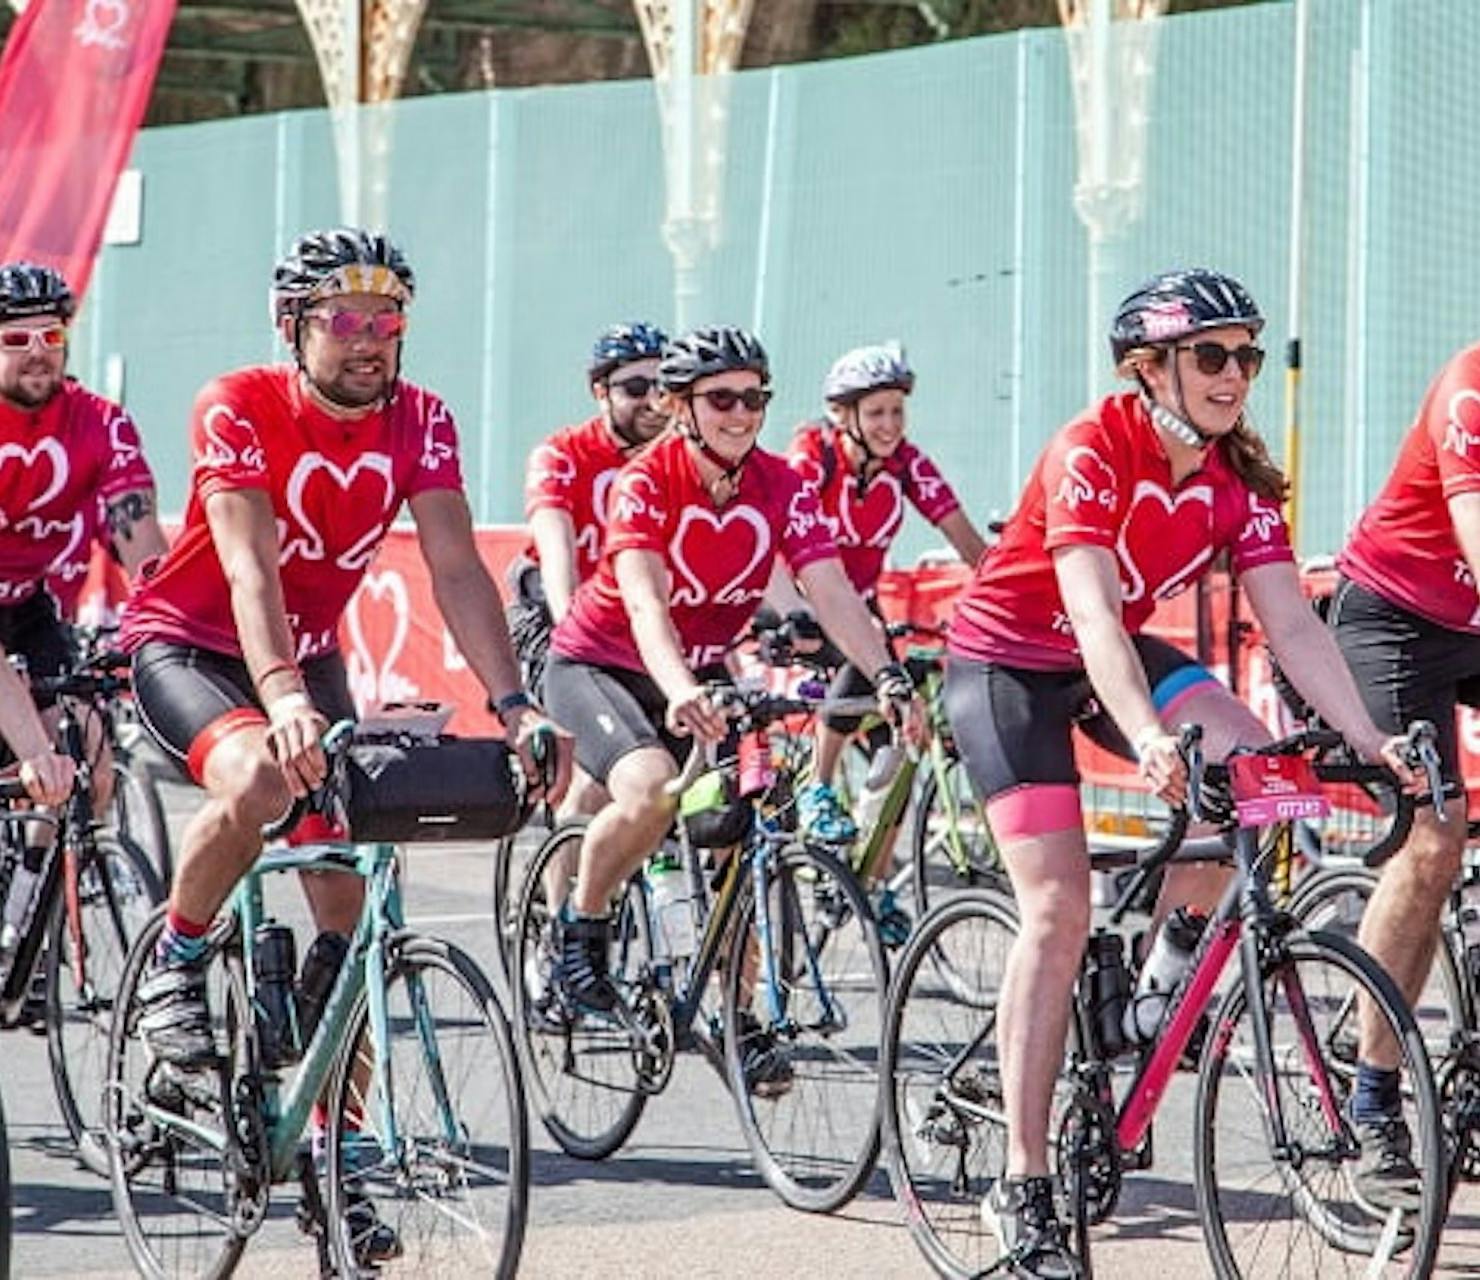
(680, 1201)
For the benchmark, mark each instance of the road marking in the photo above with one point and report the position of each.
(470, 918)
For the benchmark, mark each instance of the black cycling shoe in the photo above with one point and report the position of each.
(1386, 1176)
(581, 982)
(1022, 1214)
(372, 1240)
(174, 1022)
(764, 1063)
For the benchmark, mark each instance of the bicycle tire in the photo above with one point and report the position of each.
(940, 1099)
(463, 1158)
(822, 919)
(1332, 899)
(113, 907)
(588, 1116)
(505, 907)
(136, 811)
(935, 871)
(138, 1143)
(1323, 1169)
(7, 1203)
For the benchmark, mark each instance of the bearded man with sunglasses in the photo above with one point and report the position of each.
(1127, 505)
(72, 471)
(696, 523)
(300, 469)
(568, 484)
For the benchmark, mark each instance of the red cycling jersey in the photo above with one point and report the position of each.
(864, 527)
(1403, 547)
(1105, 481)
(58, 466)
(336, 485)
(719, 559)
(573, 472)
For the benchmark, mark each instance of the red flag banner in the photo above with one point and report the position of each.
(75, 80)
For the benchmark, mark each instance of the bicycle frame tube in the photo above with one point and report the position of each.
(697, 981)
(1188, 1002)
(287, 1111)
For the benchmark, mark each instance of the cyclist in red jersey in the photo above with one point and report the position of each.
(1127, 505)
(299, 471)
(695, 527)
(863, 470)
(70, 462)
(1407, 617)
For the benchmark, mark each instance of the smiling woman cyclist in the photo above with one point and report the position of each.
(1129, 504)
(694, 528)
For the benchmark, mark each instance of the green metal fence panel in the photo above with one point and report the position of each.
(925, 195)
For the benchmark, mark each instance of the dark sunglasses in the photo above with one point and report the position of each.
(344, 325)
(1212, 358)
(723, 399)
(52, 338)
(636, 387)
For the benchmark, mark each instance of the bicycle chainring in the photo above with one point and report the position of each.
(1088, 1148)
(247, 1156)
(653, 1040)
(1459, 1098)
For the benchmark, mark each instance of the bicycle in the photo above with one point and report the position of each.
(437, 1147)
(790, 937)
(73, 918)
(1268, 1190)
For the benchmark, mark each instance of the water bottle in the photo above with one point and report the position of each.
(672, 918)
(1108, 983)
(275, 966)
(885, 764)
(320, 970)
(757, 773)
(21, 897)
(1162, 969)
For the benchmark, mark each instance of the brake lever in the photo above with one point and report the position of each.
(1189, 747)
(1422, 751)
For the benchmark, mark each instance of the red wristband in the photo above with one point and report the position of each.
(276, 668)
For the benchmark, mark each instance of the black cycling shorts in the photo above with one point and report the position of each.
(1406, 667)
(1012, 725)
(189, 699)
(34, 630)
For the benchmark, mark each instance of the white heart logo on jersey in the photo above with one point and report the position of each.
(874, 521)
(374, 680)
(1157, 521)
(588, 539)
(56, 462)
(311, 546)
(221, 452)
(719, 543)
(72, 561)
(548, 465)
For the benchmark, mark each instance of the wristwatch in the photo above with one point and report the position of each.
(504, 707)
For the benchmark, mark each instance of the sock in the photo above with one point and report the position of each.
(181, 941)
(1377, 1095)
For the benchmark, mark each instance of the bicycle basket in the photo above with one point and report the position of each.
(405, 791)
(712, 811)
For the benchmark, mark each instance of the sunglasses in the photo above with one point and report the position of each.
(1213, 357)
(636, 387)
(345, 325)
(723, 399)
(51, 338)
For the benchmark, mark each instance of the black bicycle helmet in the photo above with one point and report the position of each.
(864, 370)
(340, 260)
(706, 352)
(1177, 304)
(622, 344)
(29, 289)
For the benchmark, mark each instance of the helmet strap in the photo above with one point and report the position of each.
(1180, 427)
(855, 433)
(323, 396)
(730, 469)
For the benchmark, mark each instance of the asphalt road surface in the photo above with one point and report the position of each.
(681, 1200)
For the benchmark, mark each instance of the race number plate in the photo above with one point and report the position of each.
(1270, 789)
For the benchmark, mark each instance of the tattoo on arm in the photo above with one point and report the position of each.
(124, 514)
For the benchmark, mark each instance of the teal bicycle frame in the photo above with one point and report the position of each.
(286, 1110)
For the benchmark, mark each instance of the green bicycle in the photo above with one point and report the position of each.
(426, 1131)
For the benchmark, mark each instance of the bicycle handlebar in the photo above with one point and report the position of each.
(13, 789)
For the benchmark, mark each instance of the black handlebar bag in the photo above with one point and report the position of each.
(411, 791)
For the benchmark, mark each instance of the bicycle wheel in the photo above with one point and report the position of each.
(186, 1207)
(1264, 1212)
(945, 1131)
(505, 903)
(951, 844)
(116, 893)
(429, 1127)
(814, 1131)
(136, 812)
(581, 1075)
(7, 1210)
